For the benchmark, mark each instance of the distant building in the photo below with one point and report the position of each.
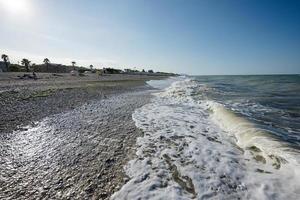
(3, 67)
(128, 70)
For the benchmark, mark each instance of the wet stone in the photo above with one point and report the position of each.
(66, 160)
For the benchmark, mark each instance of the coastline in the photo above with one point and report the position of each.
(68, 138)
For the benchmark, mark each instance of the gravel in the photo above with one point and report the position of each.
(68, 142)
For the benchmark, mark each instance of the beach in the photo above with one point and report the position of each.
(150, 137)
(149, 100)
(65, 137)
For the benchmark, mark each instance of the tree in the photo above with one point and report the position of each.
(47, 61)
(73, 64)
(26, 63)
(5, 59)
(91, 67)
(112, 71)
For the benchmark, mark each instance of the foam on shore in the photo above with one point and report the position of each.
(189, 151)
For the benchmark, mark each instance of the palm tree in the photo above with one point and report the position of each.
(47, 61)
(5, 59)
(73, 64)
(26, 63)
(91, 67)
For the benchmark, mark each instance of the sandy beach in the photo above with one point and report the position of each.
(65, 137)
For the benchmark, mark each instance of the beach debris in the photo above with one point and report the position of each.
(57, 75)
(28, 76)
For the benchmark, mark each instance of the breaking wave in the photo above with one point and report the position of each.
(195, 148)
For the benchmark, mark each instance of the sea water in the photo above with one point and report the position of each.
(218, 137)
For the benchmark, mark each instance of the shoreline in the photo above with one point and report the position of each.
(80, 136)
(195, 146)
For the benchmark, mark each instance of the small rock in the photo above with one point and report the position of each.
(103, 195)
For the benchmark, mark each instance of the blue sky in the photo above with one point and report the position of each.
(183, 36)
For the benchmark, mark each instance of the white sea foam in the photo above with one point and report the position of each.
(186, 153)
(164, 83)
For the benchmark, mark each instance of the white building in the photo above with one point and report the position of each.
(3, 67)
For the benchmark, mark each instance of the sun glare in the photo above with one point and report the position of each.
(15, 6)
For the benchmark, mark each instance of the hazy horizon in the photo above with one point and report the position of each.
(190, 37)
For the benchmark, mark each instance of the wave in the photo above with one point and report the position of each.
(248, 135)
(197, 149)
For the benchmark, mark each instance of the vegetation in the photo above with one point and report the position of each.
(81, 70)
(112, 71)
(73, 64)
(15, 68)
(5, 59)
(59, 68)
(47, 61)
(25, 62)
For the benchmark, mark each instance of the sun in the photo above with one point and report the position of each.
(15, 6)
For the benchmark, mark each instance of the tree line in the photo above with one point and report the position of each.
(47, 66)
(26, 63)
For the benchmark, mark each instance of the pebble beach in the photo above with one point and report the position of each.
(66, 137)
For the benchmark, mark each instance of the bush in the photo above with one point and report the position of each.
(15, 68)
(81, 70)
(112, 71)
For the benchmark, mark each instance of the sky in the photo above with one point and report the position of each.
(183, 36)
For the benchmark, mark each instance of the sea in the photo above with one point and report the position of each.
(218, 137)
